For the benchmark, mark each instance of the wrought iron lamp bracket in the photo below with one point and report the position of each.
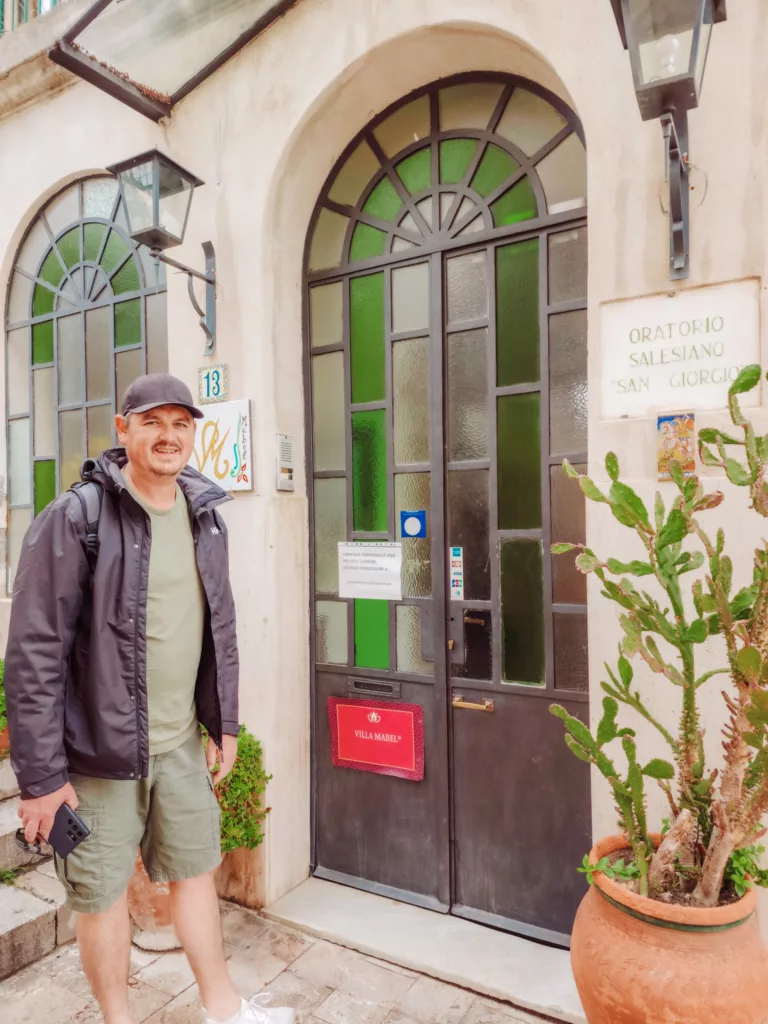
(207, 315)
(675, 130)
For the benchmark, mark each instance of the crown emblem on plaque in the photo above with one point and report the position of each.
(373, 717)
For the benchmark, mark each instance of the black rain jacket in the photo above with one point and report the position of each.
(75, 665)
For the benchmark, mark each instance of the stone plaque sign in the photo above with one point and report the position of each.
(680, 352)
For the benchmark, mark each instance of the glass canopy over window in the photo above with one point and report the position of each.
(160, 50)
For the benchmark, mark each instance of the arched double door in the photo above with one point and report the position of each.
(446, 355)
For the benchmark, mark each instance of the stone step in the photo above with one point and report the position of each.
(27, 929)
(8, 785)
(11, 856)
(43, 883)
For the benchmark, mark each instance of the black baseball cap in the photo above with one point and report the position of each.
(158, 389)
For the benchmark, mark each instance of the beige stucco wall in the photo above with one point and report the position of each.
(265, 131)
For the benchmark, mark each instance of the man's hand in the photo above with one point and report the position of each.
(225, 757)
(37, 815)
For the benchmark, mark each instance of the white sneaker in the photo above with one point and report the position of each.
(257, 1011)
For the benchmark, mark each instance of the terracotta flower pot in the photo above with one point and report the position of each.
(149, 904)
(638, 961)
(5, 742)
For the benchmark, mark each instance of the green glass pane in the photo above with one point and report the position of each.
(366, 300)
(128, 323)
(42, 342)
(69, 247)
(45, 484)
(42, 301)
(384, 202)
(367, 242)
(522, 612)
(94, 236)
(517, 313)
(455, 158)
(372, 634)
(516, 205)
(495, 167)
(52, 271)
(369, 471)
(416, 170)
(114, 251)
(519, 462)
(127, 280)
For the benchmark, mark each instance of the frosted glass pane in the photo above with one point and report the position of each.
(19, 521)
(569, 586)
(468, 106)
(467, 287)
(467, 206)
(330, 529)
(522, 612)
(564, 176)
(354, 176)
(410, 376)
(571, 653)
(157, 333)
(468, 395)
(45, 412)
(326, 314)
(19, 303)
(19, 474)
(478, 224)
(412, 495)
(64, 210)
(568, 382)
(478, 645)
(17, 354)
(99, 429)
(568, 265)
(446, 205)
(34, 248)
(98, 353)
(99, 195)
(328, 240)
(331, 622)
(529, 121)
(409, 641)
(70, 350)
(410, 298)
(468, 528)
(128, 366)
(408, 124)
(425, 208)
(399, 244)
(71, 447)
(369, 471)
(329, 412)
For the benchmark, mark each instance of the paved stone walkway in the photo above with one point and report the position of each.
(328, 984)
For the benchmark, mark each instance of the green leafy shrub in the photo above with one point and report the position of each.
(240, 797)
(717, 815)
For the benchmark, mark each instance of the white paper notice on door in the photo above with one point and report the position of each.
(371, 571)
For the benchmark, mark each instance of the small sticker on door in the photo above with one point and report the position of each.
(413, 524)
(456, 573)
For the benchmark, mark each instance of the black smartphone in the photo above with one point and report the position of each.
(67, 832)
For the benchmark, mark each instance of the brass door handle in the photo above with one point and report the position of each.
(459, 702)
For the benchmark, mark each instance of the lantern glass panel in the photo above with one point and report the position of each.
(137, 184)
(664, 34)
(175, 197)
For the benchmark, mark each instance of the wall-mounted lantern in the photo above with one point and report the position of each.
(157, 195)
(668, 42)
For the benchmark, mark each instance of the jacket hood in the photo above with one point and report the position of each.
(107, 471)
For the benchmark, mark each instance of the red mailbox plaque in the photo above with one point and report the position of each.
(377, 736)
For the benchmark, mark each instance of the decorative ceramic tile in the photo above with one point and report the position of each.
(676, 443)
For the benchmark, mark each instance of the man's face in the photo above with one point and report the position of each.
(158, 442)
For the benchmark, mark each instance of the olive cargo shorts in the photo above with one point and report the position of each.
(172, 816)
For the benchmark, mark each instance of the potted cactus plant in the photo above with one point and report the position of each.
(668, 929)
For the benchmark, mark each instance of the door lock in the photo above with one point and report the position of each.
(459, 702)
(451, 645)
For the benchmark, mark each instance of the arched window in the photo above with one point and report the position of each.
(86, 315)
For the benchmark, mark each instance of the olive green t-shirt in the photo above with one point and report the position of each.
(175, 620)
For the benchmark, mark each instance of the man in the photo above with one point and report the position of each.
(112, 665)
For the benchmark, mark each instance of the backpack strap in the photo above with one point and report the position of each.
(91, 497)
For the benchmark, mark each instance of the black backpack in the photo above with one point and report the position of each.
(91, 497)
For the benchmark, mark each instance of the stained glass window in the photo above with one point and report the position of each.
(86, 315)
